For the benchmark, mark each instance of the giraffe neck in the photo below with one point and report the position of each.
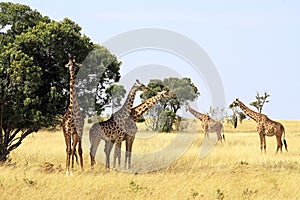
(73, 106)
(197, 114)
(252, 114)
(139, 110)
(125, 110)
(72, 89)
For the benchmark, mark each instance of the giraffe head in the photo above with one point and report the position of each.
(187, 107)
(72, 63)
(235, 103)
(166, 93)
(140, 86)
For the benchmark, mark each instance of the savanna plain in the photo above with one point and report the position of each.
(234, 169)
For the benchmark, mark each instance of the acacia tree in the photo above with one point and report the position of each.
(238, 116)
(34, 84)
(99, 71)
(260, 101)
(163, 114)
(115, 95)
(155, 85)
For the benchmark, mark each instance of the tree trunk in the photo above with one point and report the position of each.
(10, 143)
(3, 156)
(2, 146)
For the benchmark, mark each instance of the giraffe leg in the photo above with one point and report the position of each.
(205, 133)
(279, 144)
(68, 151)
(129, 143)
(73, 152)
(94, 145)
(262, 135)
(107, 150)
(80, 154)
(117, 153)
(222, 133)
(265, 145)
(130, 151)
(80, 145)
(219, 136)
(261, 142)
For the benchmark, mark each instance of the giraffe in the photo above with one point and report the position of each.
(265, 126)
(112, 130)
(72, 122)
(208, 124)
(136, 112)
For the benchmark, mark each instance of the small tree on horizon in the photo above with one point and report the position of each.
(260, 101)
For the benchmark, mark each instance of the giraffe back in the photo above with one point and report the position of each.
(273, 128)
(107, 130)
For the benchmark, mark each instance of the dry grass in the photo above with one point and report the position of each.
(233, 170)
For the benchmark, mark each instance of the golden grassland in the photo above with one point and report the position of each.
(235, 169)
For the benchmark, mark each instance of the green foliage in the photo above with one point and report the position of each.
(241, 116)
(237, 116)
(166, 120)
(260, 101)
(217, 113)
(34, 84)
(184, 89)
(20, 91)
(115, 94)
(19, 17)
(134, 187)
(165, 110)
(99, 69)
(232, 119)
(46, 46)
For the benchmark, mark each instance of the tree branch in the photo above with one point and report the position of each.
(21, 138)
(11, 138)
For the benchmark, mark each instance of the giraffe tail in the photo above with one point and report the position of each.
(285, 144)
(235, 121)
(284, 141)
(223, 135)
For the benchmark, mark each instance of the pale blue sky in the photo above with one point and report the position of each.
(254, 44)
